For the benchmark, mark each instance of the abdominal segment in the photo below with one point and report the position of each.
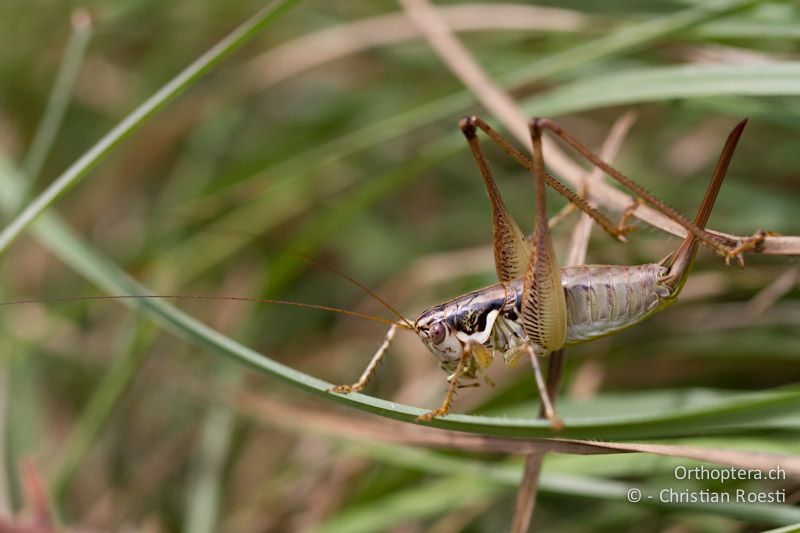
(603, 299)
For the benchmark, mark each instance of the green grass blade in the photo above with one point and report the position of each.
(626, 39)
(24, 428)
(59, 97)
(177, 85)
(665, 83)
(100, 408)
(206, 493)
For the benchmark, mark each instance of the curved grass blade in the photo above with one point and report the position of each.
(719, 417)
(626, 39)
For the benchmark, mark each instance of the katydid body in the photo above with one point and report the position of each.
(600, 300)
(537, 307)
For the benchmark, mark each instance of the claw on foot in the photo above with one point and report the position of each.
(621, 231)
(622, 227)
(746, 245)
(345, 389)
(427, 417)
(556, 423)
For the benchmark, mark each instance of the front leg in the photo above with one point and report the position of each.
(451, 390)
(359, 385)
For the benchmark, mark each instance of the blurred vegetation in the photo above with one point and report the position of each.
(357, 160)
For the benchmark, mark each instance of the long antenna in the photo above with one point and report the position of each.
(356, 283)
(404, 325)
(316, 262)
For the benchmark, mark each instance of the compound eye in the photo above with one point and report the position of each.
(438, 333)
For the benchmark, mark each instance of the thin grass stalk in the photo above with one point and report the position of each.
(99, 409)
(59, 99)
(205, 494)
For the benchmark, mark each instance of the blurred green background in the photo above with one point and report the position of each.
(334, 133)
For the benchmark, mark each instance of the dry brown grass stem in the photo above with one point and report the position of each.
(527, 491)
(772, 293)
(579, 243)
(330, 44)
(490, 95)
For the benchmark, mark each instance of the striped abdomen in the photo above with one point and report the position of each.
(603, 299)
